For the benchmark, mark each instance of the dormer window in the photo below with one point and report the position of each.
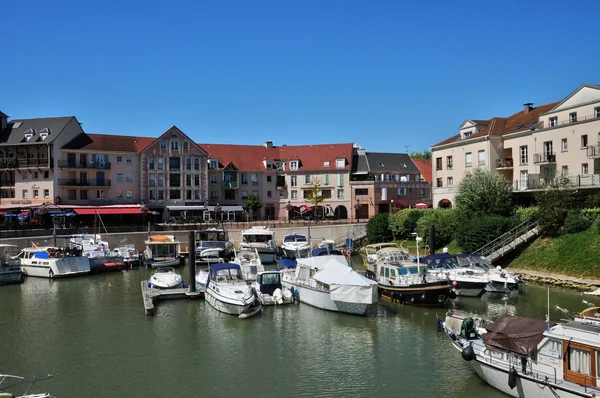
(293, 165)
(326, 163)
(214, 163)
(467, 134)
(43, 136)
(28, 136)
(340, 163)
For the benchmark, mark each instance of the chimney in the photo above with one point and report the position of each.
(269, 144)
(528, 107)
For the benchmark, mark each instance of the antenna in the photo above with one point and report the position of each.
(406, 148)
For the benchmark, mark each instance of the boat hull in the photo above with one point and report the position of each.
(59, 268)
(501, 288)
(420, 294)
(469, 289)
(321, 299)
(10, 277)
(171, 262)
(218, 303)
(294, 253)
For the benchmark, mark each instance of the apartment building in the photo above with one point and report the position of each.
(529, 149)
(281, 176)
(386, 182)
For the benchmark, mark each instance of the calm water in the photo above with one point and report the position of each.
(92, 335)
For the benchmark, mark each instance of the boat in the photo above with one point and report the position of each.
(162, 251)
(465, 281)
(128, 255)
(52, 262)
(401, 280)
(250, 264)
(270, 291)
(369, 253)
(9, 382)
(526, 357)
(502, 281)
(10, 266)
(327, 243)
(165, 278)
(201, 278)
(227, 291)
(212, 244)
(328, 282)
(295, 245)
(98, 251)
(261, 239)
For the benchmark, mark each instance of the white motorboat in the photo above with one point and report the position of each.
(165, 278)
(213, 244)
(162, 251)
(201, 278)
(328, 282)
(250, 264)
(8, 383)
(261, 239)
(501, 280)
(227, 291)
(525, 357)
(10, 266)
(270, 291)
(295, 245)
(52, 262)
(465, 281)
(369, 253)
(128, 254)
(98, 251)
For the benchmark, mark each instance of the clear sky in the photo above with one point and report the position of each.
(392, 76)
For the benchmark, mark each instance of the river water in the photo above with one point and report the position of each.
(91, 333)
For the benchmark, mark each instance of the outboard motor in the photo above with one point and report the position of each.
(468, 354)
(468, 330)
(512, 377)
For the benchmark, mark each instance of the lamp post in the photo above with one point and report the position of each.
(289, 210)
(218, 213)
(356, 207)
(391, 206)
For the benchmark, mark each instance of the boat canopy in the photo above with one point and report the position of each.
(294, 238)
(325, 251)
(515, 333)
(345, 284)
(286, 263)
(221, 266)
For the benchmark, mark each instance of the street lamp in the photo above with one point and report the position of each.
(356, 207)
(289, 209)
(218, 213)
(391, 206)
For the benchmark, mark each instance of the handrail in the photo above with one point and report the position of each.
(507, 238)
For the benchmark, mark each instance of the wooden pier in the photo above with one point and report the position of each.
(151, 295)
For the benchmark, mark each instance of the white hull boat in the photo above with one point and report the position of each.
(10, 382)
(49, 262)
(250, 263)
(270, 291)
(295, 246)
(165, 278)
(213, 244)
(162, 251)
(227, 291)
(10, 267)
(262, 240)
(201, 278)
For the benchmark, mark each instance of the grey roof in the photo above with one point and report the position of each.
(2, 114)
(359, 163)
(14, 133)
(390, 163)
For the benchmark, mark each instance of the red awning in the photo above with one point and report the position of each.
(445, 201)
(421, 206)
(305, 207)
(103, 211)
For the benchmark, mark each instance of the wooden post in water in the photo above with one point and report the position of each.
(192, 260)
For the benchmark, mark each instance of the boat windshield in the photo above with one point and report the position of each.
(271, 278)
(392, 256)
(411, 270)
(263, 238)
(295, 239)
(209, 243)
(211, 236)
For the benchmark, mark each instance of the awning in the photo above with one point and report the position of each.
(445, 201)
(305, 207)
(203, 208)
(421, 205)
(103, 211)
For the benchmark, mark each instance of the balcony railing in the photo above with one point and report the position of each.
(7, 183)
(536, 182)
(503, 163)
(25, 163)
(231, 184)
(578, 119)
(281, 185)
(546, 157)
(68, 164)
(593, 151)
(255, 183)
(73, 182)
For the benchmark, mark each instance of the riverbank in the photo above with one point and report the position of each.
(557, 280)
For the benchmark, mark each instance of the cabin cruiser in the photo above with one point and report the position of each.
(328, 282)
(212, 244)
(261, 239)
(402, 280)
(162, 251)
(10, 266)
(98, 251)
(250, 264)
(465, 281)
(227, 291)
(525, 357)
(52, 262)
(295, 245)
(269, 290)
(8, 383)
(369, 253)
(501, 280)
(165, 278)
(128, 255)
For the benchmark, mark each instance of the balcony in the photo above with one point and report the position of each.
(506, 163)
(68, 164)
(231, 184)
(25, 163)
(593, 151)
(7, 183)
(73, 182)
(546, 157)
(280, 183)
(281, 186)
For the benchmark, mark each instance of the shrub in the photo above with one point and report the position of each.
(483, 193)
(592, 201)
(597, 225)
(527, 213)
(404, 222)
(477, 232)
(378, 229)
(444, 224)
(577, 222)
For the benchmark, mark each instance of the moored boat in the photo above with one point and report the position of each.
(162, 251)
(261, 239)
(294, 245)
(270, 291)
(9, 383)
(165, 278)
(52, 262)
(250, 264)
(10, 266)
(227, 291)
(465, 281)
(213, 244)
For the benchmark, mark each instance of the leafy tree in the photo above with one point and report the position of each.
(421, 155)
(576, 221)
(404, 222)
(444, 222)
(253, 203)
(483, 193)
(554, 205)
(378, 230)
(314, 194)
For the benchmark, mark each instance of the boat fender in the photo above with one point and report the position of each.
(512, 377)
(468, 354)
(452, 294)
(149, 283)
(50, 274)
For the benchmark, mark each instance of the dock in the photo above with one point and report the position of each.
(151, 295)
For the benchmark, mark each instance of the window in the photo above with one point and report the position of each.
(151, 162)
(564, 145)
(584, 141)
(294, 181)
(326, 179)
(72, 194)
(35, 175)
(523, 155)
(213, 179)
(46, 193)
(401, 192)
(244, 195)
(161, 180)
(185, 145)
(440, 182)
(450, 181)
(129, 177)
(163, 144)
(244, 178)
(214, 164)
(268, 178)
(449, 162)
(584, 169)
(188, 194)
(152, 194)
(340, 194)
(326, 193)
(128, 160)
(422, 192)
(229, 194)
(573, 117)
(468, 159)
(340, 163)
(293, 165)
(161, 194)
(100, 194)
(307, 179)
(214, 194)
(268, 194)
(254, 179)
(188, 179)
(326, 163)
(159, 163)
(36, 193)
(151, 180)
(340, 180)
(579, 360)
(361, 191)
(438, 163)
(119, 176)
(597, 111)
(255, 193)
(120, 195)
(294, 195)
(25, 194)
(553, 121)
(481, 157)
(196, 163)
(174, 146)
(83, 195)
(197, 180)
(197, 194)
(188, 163)
(565, 171)
(46, 174)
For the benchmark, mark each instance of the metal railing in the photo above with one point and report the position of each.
(593, 151)
(504, 163)
(69, 164)
(73, 182)
(509, 240)
(545, 157)
(231, 185)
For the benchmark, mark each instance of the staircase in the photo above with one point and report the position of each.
(509, 241)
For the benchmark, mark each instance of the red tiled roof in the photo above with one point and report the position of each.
(250, 157)
(425, 167)
(117, 143)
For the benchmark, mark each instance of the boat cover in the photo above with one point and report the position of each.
(325, 251)
(286, 263)
(515, 333)
(345, 284)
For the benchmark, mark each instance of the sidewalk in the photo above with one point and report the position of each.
(557, 279)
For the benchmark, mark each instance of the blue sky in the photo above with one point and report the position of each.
(392, 76)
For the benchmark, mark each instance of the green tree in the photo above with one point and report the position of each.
(253, 203)
(444, 222)
(378, 230)
(402, 223)
(554, 205)
(314, 194)
(421, 155)
(482, 193)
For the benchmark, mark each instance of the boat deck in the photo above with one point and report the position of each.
(151, 295)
